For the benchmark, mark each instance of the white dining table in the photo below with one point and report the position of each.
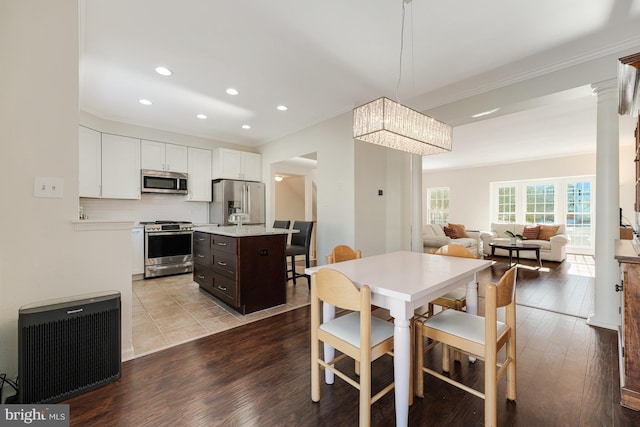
(402, 282)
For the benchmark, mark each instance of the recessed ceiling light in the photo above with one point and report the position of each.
(163, 71)
(278, 178)
(145, 101)
(282, 107)
(232, 91)
(485, 113)
(246, 127)
(201, 116)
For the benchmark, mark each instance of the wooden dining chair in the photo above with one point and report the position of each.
(456, 299)
(343, 253)
(356, 334)
(479, 337)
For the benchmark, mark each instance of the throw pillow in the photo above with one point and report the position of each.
(531, 232)
(547, 231)
(460, 229)
(451, 232)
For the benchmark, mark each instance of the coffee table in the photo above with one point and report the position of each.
(516, 247)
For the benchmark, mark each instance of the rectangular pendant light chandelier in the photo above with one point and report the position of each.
(390, 124)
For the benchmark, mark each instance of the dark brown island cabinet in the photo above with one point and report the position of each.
(244, 269)
(629, 333)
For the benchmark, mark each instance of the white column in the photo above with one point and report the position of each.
(416, 203)
(606, 300)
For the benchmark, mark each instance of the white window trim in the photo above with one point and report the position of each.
(428, 202)
(560, 203)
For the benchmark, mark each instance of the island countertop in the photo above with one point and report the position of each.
(243, 231)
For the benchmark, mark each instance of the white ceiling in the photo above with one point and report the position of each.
(323, 58)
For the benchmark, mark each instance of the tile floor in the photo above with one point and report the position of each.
(171, 310)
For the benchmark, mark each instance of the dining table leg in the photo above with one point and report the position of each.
(472, 301)
(472, 295)
(402, 368)
(328, 313)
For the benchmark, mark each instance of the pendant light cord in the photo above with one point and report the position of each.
(401, 51)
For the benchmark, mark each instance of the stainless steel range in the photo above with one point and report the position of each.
(167, 248)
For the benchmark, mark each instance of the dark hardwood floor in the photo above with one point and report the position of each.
(258, 375)
(563, 287)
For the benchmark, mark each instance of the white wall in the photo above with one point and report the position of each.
(383, 223)
(370, 208)
(377, 224)
(290, 196)
(332, 142)
(41, 256)
(469, 188)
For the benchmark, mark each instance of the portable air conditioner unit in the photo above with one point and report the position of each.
(68, 346)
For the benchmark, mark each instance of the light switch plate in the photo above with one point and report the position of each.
(40, 186)
(56, 188)
(48, 187)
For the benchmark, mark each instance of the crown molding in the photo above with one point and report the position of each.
(618, 48)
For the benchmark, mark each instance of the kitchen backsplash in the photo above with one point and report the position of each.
(150, 207)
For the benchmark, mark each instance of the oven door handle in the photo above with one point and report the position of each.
(168, 233)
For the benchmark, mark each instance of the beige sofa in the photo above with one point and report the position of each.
(552, 249)
(433, 237)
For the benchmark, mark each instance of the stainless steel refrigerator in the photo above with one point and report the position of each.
(232, 196)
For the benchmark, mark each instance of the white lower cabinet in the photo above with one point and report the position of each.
(120, 167)
(137, 250)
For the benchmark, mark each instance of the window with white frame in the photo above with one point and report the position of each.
(507, 204)
(568, 200)
(540, 204)
(438, 205)
(579, 213)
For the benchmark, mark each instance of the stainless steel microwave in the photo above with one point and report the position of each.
(154, 181)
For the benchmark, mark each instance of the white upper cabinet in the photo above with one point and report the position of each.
(90, 156)
(226, 164)
(233, 164)
(199, 171)
(164, 157)
(120, 167)
(251, 166)
(176, 158)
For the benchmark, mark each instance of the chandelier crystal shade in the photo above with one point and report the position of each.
(390, 124)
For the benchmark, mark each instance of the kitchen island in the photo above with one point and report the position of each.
(245, 267)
